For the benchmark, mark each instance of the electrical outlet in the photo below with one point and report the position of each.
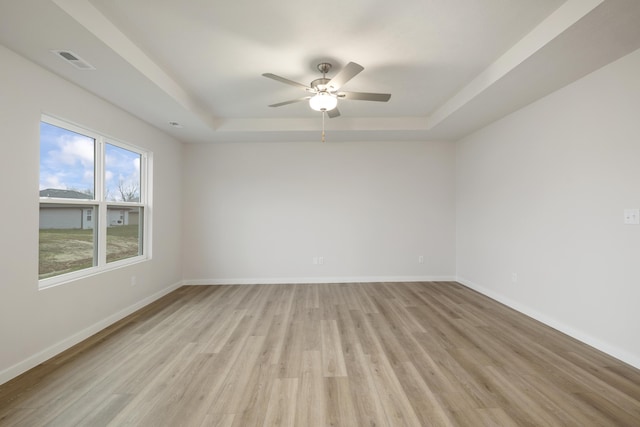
(514, 277)
(421, 259)
(632, 216)
(315, 260)
(320, 260)
(134, 281)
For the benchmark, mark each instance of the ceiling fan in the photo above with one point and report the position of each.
(324, 93)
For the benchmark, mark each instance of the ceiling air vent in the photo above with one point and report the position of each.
(74, 59)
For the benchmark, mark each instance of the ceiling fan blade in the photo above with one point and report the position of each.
(286, 81)
(365, 96)
(333, 113)
(292, 101)
(346, 74)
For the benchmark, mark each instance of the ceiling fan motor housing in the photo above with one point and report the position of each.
(320, 84)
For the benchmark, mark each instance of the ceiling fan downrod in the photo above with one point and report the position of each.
(324, 68)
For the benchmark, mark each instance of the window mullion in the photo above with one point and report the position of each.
(147, 199)
(99, 172)
(102, 205)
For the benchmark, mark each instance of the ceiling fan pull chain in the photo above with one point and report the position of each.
(323, 113)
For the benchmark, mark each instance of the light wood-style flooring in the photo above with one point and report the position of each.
(394, 354)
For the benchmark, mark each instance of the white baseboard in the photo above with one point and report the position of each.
(307, 280)
(613, 351)
(69, 342)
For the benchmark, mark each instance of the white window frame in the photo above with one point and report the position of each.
(100, 205)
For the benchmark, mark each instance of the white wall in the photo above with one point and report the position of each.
(36, 324)
(262, 212)
(541, 193)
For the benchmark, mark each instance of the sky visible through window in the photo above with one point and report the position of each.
(67, 163)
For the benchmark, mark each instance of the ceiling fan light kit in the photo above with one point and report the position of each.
(325, 92)
(323, 101)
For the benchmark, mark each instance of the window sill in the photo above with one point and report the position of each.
(62, 279)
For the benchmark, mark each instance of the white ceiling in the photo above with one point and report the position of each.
(451, 66)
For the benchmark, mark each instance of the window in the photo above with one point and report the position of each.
(94, 210)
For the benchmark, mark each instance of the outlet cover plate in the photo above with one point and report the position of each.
(632, 216)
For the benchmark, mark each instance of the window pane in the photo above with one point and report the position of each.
(124, 232)
(66, 163)
(122, 174)
(67, 237)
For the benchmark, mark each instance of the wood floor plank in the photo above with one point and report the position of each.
(366, 335)
(366, 303)
(339, 408)
(494, 417)
(235, 385)
(515, 402)
(332, 357)
(393, 398)
(215, 420)
(364, 394)
(422, 398)
(312, 297)
(254, 402)
(291, 354)
(220, 332)
(274, 342)
(392, 354)
(626, 385)
(617, 415)
(193, 394)
(281, 409)
(311, 407)
(150, 403)
(561, 404)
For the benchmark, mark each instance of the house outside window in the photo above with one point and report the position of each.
(94, 204)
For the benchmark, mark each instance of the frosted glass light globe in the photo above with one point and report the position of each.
(323, 101)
